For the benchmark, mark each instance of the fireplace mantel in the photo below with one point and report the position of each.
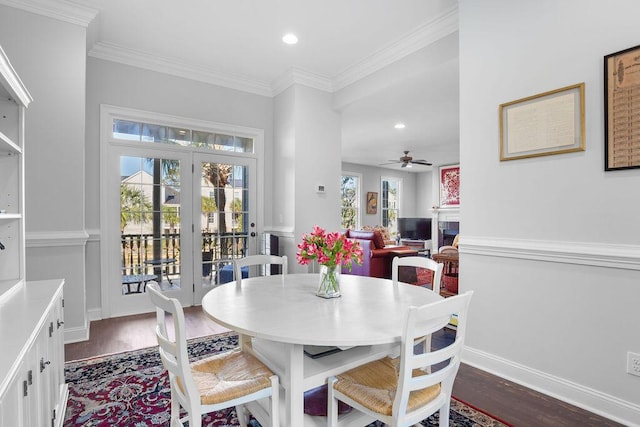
(442, 216)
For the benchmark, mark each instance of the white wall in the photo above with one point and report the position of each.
(49, 56)
(550, 245)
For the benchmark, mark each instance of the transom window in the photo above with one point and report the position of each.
(146, 132)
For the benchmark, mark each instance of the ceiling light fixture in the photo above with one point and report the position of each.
(399, 126)
(290, 38)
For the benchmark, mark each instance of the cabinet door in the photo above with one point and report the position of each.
(46, 371)
(13, 411)
(56, 346)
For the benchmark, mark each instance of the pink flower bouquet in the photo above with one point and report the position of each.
(330, 249)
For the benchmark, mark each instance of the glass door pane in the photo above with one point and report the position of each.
(149, 223)
(146, 217)
(226, 220)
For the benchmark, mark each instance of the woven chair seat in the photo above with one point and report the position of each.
(227, 376)
(373, 385)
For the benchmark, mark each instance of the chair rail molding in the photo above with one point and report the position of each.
(583, 253)
(46, 239)
(282, 231)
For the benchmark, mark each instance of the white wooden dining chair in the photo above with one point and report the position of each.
(250, 260)
(418, 262)
(221, 381)
(404, 391)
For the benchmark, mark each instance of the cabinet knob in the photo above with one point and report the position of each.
(60, 323)
(44, 364)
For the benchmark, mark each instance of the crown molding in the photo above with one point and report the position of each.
(61, 10)
(303, 77)
(420, 37)
(135, 58)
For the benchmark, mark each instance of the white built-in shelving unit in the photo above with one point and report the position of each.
(14, 100)
(33, 392)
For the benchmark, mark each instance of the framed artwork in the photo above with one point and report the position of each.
(543, 124)
(372, 202)
(622, 110)
(450, 186)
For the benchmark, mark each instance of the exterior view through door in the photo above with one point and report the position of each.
(151, 245)
(179, 204)
(227, 223)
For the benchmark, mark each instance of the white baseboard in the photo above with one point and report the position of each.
(605, 405)
(94, 314)
(72, 335)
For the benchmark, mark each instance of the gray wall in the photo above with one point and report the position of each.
(49, 56)
(551, 245)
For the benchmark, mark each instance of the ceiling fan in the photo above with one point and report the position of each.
(407, 161)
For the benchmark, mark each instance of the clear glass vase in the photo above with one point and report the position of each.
(329, 282)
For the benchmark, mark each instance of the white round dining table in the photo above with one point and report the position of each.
(277, 316)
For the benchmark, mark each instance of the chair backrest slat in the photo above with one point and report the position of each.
(418, 262)
(425, 320)
(258, 260)
(173, 351)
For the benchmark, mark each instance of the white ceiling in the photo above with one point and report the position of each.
(402, 56)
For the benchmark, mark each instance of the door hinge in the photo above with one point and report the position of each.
(194, 287)
(193, 168)
(193, 228)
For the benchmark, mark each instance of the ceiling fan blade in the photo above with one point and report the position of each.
(391, 162)
(404, 165)
(422, 162)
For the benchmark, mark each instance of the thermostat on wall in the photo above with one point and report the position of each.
(320, 189)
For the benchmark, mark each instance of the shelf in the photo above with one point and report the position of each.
(10, 216)
(8, 146)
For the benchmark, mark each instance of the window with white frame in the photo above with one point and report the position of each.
(390, 206)
(350, 200)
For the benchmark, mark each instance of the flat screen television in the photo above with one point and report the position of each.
(415, 228)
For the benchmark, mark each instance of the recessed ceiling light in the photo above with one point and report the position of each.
(399, 126)
(290, 38)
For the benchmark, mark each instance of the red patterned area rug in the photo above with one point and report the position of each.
(131, 389)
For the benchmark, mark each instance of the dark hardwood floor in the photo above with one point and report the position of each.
(506, 400)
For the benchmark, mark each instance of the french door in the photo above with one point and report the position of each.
(183, 217)
(225, 217)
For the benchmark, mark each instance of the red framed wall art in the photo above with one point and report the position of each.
(450, 186)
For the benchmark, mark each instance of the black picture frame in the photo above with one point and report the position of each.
(622, 109)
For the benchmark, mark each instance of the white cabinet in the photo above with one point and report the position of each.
(32, 388)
